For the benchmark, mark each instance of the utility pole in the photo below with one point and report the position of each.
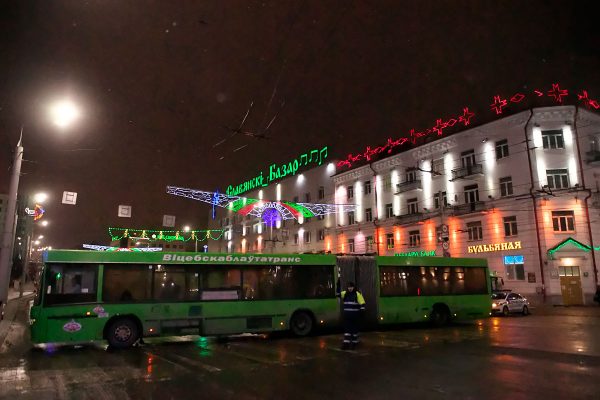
(8, 235)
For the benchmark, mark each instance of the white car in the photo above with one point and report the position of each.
(506, 302)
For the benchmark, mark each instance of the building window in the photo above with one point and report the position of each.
(506, 186)
(368, 215)
(296, 238)
(475, 230)
(558, 178)
(414, 239)
(553, 139)
(467, 158)
(437, 167)
(411, 175)
(320, 217)
(501, 149)
(367, 187)
(412, 205)
(389, 210)
(563, 221)
(350, 245)
(369, 243)
(515, 270)
(471, 194)
(387, 183)
(351, 220)
(307, 236)
(307, 197)
(510, 226)
(350, 192)
(390, 240)
(295, 199)
(321, 192)
(320, 235)
(436, 200)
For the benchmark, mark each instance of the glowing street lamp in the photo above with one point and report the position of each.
(44, 223)
(63, 113)
(40, 197)
(186, 228)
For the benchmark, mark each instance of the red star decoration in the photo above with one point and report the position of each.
(498, 104)
(517, 98)
(557, 92)
(439, 127)
(466, 117)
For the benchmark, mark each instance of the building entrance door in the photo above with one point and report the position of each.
(570, 285)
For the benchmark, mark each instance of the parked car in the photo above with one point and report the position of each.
(506, 302)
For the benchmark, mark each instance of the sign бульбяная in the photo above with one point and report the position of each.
(277, 172)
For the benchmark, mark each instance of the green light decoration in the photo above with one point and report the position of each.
(167, 235)
(572, 242)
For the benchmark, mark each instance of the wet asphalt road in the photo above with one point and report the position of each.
(535, 357)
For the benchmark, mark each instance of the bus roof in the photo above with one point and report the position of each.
(165, 257)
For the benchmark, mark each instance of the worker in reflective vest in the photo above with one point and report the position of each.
(353, 304)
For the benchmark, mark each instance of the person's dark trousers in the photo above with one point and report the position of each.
(351, 329)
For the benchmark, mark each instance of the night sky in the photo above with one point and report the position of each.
(157, 80)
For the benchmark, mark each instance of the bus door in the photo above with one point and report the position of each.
(362, 271)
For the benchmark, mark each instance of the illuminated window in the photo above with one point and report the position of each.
(506, 186)
(351, 220)
(412, 205)
(367, 187)
(471, 194)
(414, 239)
(369, 243)
(307, 236)
(389, 210)
(475, 230)
(558, 178)
(553, 139)
(350, 245)
(568, 271)
(368, 215)
(563, 221)
(467, 158)
(387, 183)
(390, 240)
(320, 235)
(437, 167)
(510, 226)
(515, 270)
(437, 203)
(501, 149)
(321, 192)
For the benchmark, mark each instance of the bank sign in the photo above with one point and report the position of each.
(418, 253)
(485, 248)
(279, 171)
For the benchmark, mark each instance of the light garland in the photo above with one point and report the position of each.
(112, 248)
(167, 235)
(573, 242)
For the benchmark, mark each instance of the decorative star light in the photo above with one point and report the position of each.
(261, 208)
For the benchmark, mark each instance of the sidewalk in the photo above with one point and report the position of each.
(575, 311)
(14, 307)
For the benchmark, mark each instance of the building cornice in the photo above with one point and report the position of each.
(352, 175)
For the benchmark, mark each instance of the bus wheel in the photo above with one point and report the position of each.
(439, 316)
(301, 323)
(122, 333)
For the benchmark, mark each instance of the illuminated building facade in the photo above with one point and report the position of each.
(522, 191)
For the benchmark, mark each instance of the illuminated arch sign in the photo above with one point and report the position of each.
(280, 171)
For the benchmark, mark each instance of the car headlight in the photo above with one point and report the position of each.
(494, 305)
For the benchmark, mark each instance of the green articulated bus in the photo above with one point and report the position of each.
(124, 296)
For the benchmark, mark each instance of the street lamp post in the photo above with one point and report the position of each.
(9, 226)
(63, 113)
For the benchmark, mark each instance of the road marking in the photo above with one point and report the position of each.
(195, 363)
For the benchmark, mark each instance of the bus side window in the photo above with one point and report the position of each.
(71, 283)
